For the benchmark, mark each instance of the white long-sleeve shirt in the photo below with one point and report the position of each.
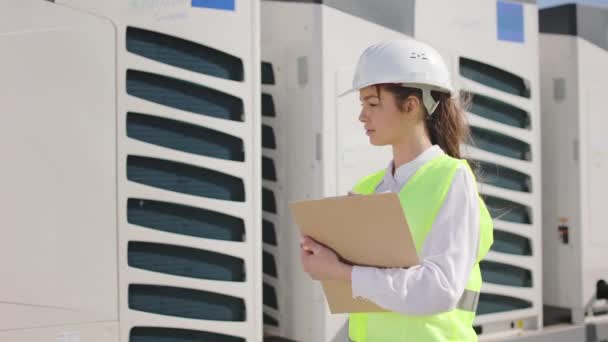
(447, 255)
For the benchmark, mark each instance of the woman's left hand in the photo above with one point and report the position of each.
(322, 263)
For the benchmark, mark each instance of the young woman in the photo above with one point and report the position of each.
(408, 103)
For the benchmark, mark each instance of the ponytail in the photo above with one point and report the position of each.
(447, 126)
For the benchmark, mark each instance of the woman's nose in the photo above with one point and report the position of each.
(362, 116)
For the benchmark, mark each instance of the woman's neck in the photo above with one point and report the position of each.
(408, 149)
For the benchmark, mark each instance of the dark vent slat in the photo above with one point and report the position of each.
(505, 242)
(501, 144)
(503, 274)
(184, 54)
(268, 108)
(268, 170)
(269, 234)
(186, 262)
(184, 95)
(270, 297)
(267, 73)
(268, 138)
(269, 202)
(491, 303)
(505, 210)
(154, 334)
(270, 321)
(184, 137)
(186, 303)
(185, 220)
(184, 178)
(494, 77)
(503, 177)
(269, 265)
(499, 111)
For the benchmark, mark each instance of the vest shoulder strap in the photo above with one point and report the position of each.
(367, 184)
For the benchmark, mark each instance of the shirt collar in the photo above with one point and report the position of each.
(405, 171)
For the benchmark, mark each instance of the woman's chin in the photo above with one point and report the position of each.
(376, 142)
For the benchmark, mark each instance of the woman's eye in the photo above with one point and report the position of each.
(369, 104)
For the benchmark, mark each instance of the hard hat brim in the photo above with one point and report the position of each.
(351, 90)
(413, 85)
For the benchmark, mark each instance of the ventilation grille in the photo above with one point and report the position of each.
(506, 166)
(271, 217)
(187, 222)
(184, 54)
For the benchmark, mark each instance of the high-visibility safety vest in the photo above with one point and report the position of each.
(421, 198)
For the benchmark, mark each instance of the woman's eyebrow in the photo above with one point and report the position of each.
(367, 97)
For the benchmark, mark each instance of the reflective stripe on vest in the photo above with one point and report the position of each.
(468, 301)
(423, 196)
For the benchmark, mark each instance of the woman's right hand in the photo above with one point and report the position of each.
(321, 262)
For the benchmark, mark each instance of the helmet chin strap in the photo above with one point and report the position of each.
(428, 101)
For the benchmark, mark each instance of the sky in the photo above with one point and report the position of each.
(549, 3)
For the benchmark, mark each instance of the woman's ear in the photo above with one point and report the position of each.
(412, 103)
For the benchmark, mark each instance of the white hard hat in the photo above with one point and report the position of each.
(407, 62)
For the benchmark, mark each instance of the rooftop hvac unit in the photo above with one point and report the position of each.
(494, 55)
(136, 168)
(315, 146)
(574, 79)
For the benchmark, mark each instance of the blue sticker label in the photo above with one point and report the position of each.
(510, 21)
(227, 5)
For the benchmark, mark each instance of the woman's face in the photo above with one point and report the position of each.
(381, 118)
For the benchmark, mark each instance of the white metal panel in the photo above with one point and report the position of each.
(594, 156)
(58, 143)
(289, 32)
(574, 153)
(350, 156)
(93, 332)
(561, 160)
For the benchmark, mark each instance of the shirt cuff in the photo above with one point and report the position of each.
(360, 278)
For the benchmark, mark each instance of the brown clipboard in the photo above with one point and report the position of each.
(368, 230)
